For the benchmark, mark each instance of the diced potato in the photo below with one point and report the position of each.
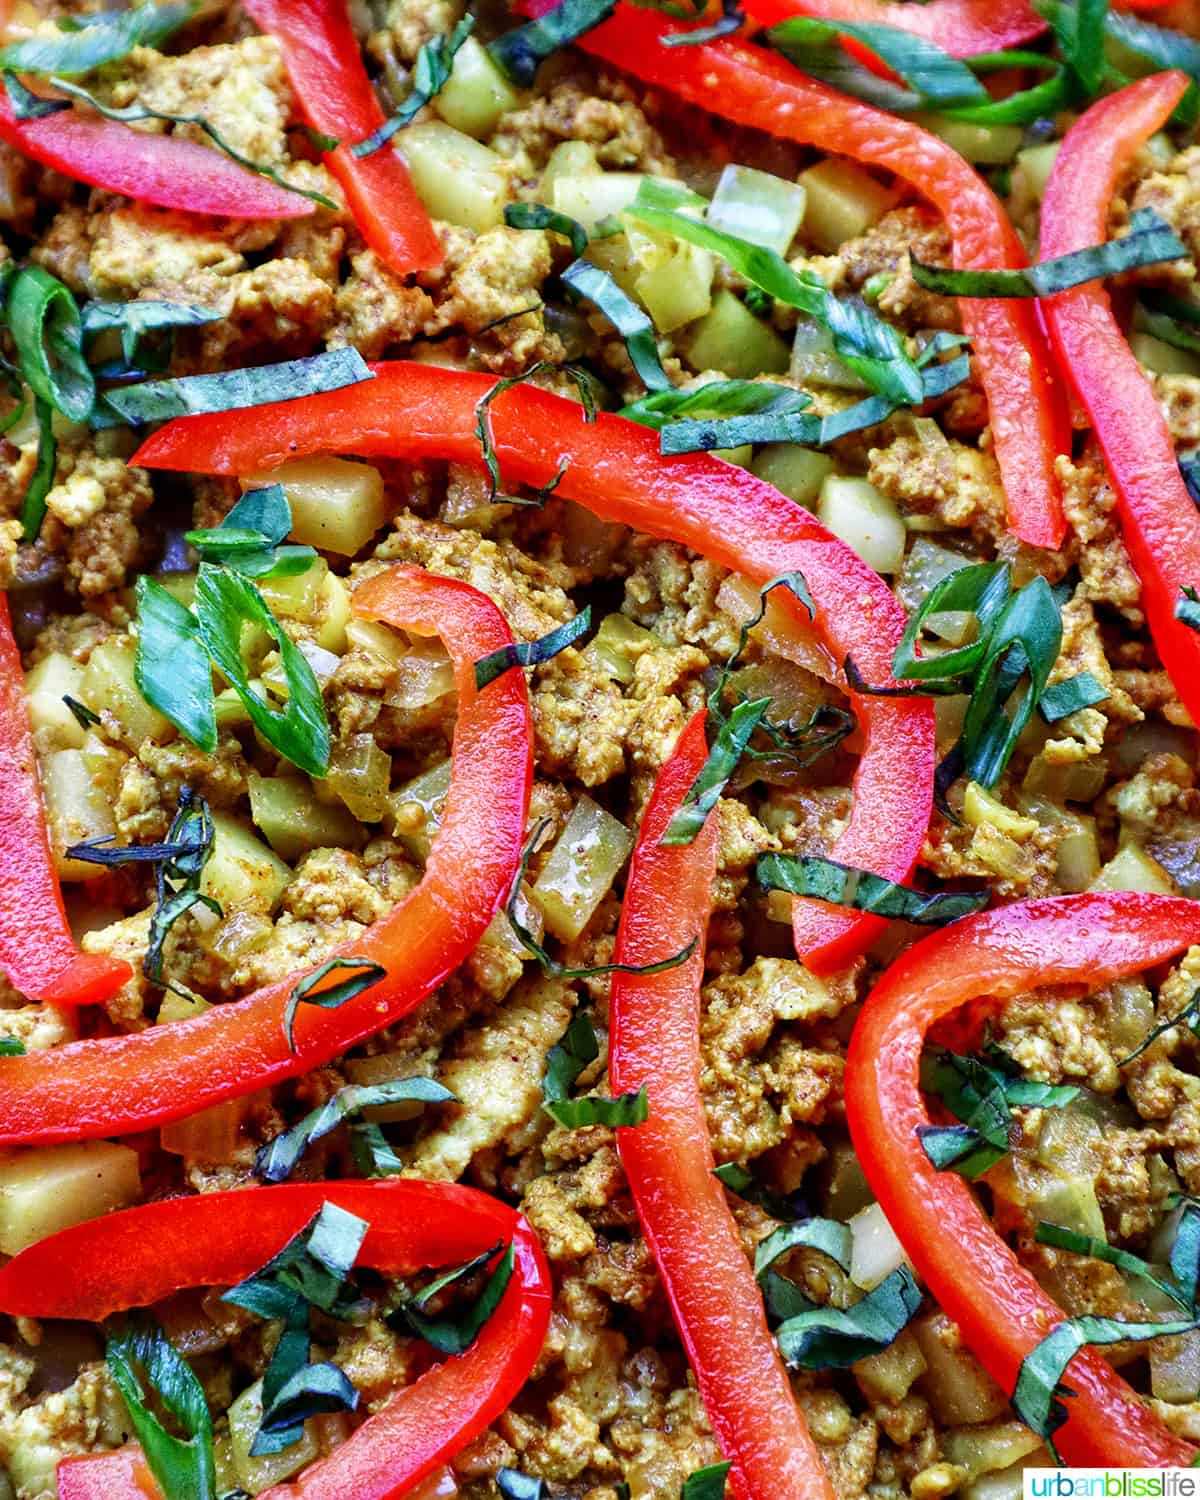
(457, 178)
(77, 809)
(360, 772)
(959, 1389)
(1077, 855)
(336, 505)
(594, 196)
(109, 682)
(241, 871)
(417, 807)
(1162, 358)
(210, 1136)
(49, 1188)
(889, 1375)
(568, 159)
(294, 822)
(49, 716)
(986, 145)
(581, 868)
(299, 596)
(842, 202)
(875, 1250)
(866, 520)
(476, 94)
(257, 1474)
(731, 339)
(757, 206)
(1034, 165)
(1132, 869)
(987, 1450)
(796, 471)
(177, 1007)
(675, 284)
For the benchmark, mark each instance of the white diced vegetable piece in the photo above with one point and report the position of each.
(45, 685)
(875, 1250)
(77, 809)
(865, 519)
(581, 868)
(49, 1188)
(757, 206)
(336, 505)
(258, 1474)
(241, 871)
(458, 179)
(476, 94)
(592, 197)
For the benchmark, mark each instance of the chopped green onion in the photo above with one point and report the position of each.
(597, 286)
(932, 74)
(93, 41)
(719, 398)
(184, 1467)
(277, 1160)
(826, 880)
(367, 973)
(519, 52)
(532, 653)
(1151, 240)
(431, 73)
(233, 390)
(43, 318)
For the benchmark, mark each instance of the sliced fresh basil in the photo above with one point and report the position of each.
(568, 1058)
(981, 589)
(818, 1338)
(431, 73)
(719, 398)
(26, 105)
(1132, 1265)
(332, 996)
(248, 539)
(234, 390)
(583, 383)
(1068, 697)
(826, 880)
(91, 42)
(1189, 1016)
(727, 749)
(538, 216)
(575, 1114)
(308, 1392)
(1150, 241)
(372, 1152)
(170, 908)
(532, 653)
(178, 866)
(1187, 607)
(551, 966)
(11, 1046)
(132, 114)
(183, 1466)
(597, 286)
(514, 1485)
(452, 1333)
(826, 1235)
(1165, 49)
(982, 1096)
(299, 731)
(277, 1160)
(933, 76)
(33, 503)
(1185, 1254)
(1039, 1384)
(135, 319)
(172, 667)
(185, 850)
(707, 1483)
(871, 347)
(314, 1265)
(80, 712)
(43, 318)
(519, 52)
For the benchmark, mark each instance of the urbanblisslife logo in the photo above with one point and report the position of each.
(1112, 1484)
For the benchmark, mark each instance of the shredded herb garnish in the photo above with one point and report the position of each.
(449, 1333)
(532, 653)
(88, 42)
(590, 282)
(827, 880)
(431, 73)
(1132, 1265)
(1187, 607)
(731, 19)
(593, 1109)
(136, 319)
(1069, 696)
(483, 421)
(519, 52)
(367, 973)
(730, 744)
(11, 1046)
(934, 78)
(248, 539)
(817, 1338)
(538, 216)
(570, 1057)
(277, 1160)
(1189, 1016)
(707, 1483)
(514, 1485)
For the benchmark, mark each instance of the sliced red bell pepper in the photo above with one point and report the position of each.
(751, 86)
(614, 468)
(160, 169)
(1160, 523)
(999, 1306)
(963, 28)
(37, 951)
(111, 1085)
(654, 1042)
(325, 66)
(140, 1255)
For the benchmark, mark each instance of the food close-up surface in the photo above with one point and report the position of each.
(599, 769)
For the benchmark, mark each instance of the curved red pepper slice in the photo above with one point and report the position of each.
(614, 468)
(654, 1042)
(751, 86)
(139, 1255)
(1160, 523)
(112, 1085)
(37, 951)
(325, 66)
(963, 28)
(1001, 1309)
(161, 169)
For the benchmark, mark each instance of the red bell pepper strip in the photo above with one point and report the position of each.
(111, 1085)
(963, 28)
(138, 1256)
(654, 1042)
(614, 468)
(1160, 523)
(325, 66)
(37, 951)
(751, 86)
(999, 1306)
(160, 169)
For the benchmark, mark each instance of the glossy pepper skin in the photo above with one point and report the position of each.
(963, 28)
(138, 1256)
(614, 468)
(37, 951)
(654, 1040)
(325, 67)
(160, 169)
(1160, 523)
(106, 1086)
(750, 86)
(999, 1306)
